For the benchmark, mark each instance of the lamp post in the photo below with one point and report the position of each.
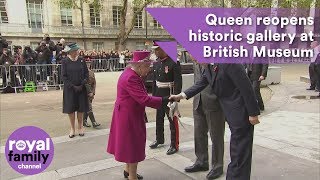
(82, 25)
(146, 22)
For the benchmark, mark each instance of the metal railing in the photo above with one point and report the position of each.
(42, 75)
(46, 76)
(105, 65)
(288, 60)
(3, 76)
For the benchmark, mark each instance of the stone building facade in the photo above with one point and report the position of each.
(24, 22)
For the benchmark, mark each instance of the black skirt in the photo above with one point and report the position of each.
(75, 101)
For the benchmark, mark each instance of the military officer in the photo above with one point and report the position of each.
(167, 80)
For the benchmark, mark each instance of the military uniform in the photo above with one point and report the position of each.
(167, 81)
(91, 88)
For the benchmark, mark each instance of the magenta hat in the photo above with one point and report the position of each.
(141, 56)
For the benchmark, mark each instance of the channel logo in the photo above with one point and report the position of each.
(29, 150)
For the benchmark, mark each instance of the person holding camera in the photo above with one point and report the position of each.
(60, 55)
(7, 60)
(44, 56)
(30, 57)
(50, 44)
(59, 50)
(3, 44)
(19, 60)
(74, 73)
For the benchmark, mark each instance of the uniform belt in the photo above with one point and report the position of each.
(164, 84)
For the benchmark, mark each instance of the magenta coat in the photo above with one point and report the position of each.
(127, 138)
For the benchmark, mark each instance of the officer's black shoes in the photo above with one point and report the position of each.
(126, 175)
(196, 168)
(172, 150)
(86, 124)
(154, 145)
(215, 173)
(95, 124)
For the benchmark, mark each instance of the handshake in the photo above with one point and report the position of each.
(176, 98)
(172, 98)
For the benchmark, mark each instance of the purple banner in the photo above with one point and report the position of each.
(239, 35)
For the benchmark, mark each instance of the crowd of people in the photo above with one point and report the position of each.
(47, 53)
(93, 54)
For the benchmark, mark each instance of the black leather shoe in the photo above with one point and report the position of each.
(311, 88)
(126, 175)
(95, 124)
(215, 173)
(196, 168)
(71, 135)
(172, 150)
(154, 145)
(85, 124)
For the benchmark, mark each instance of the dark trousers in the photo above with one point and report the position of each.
(174, 127)
(30, 74)
(58, 75)
(241, 143)
(313, 76)
(317, 74)
(213, 122)
(256, 88)
(13, 79)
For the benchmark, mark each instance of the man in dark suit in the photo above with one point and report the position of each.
(317, 67)
(314, 85)
(257, 73)
(208, 116)
(233, 88)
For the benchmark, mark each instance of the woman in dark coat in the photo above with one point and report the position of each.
(74, 75)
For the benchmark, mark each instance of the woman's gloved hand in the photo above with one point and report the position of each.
(78, 88)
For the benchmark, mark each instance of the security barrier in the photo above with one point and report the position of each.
(43, 76)
(3, 77)
(35, 77)
(105, 65)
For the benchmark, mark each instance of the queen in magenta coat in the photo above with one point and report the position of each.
(127, 138)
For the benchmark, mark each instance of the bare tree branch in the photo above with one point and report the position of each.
(75, 5)
(135, 13)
